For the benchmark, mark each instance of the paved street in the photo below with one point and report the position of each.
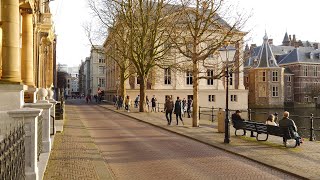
(135, 150)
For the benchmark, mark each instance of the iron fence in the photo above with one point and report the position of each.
(12, 154)
(40, 119)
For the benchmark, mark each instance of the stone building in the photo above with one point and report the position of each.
(301, 60)
(27, 61)
(165, 82)
(266, 79)
(97, 70)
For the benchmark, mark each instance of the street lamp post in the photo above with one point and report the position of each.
(117, 100)
(226, 130)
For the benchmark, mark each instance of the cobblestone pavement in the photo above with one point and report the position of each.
(302, 161)
(74, 156)
(135, 150)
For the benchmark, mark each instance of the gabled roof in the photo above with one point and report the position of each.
(265, 57)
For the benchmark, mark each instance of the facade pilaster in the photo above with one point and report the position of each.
(27, 49)
(10, 42)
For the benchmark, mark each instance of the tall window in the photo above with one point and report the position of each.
(138, 79)
(289, 90)
(167, 76)
(102, 60)
(289, 78)
(101, 70)
(305, 70)
(210, 77)
(275, 91)
(234, 98)
(230, 79)
(262, 76)
(275, 76)
(102, 82)
(315, 71)
(189, 78)
(212, 98)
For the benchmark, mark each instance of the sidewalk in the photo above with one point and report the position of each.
(303, 161)
(74, 155)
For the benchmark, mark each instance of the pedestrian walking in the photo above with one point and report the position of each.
(168, 107)
(178, 110)
(189, 106)
(147, 103)
(184, 108)
(120, 102)
(153, 103)
(127, 103)
(136, 101)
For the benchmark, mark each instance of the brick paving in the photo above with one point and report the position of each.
(74, 155)
(135, 150)
(302, 161)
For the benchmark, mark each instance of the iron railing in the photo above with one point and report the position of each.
(40, 119)
(12, 154)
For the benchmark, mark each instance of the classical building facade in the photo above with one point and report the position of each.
(27, 61)
(165, 82)
(301, 63)
(97, 70)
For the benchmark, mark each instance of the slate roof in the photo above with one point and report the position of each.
(265, 57)
(302, 55)
(286, 38)
(288, 71)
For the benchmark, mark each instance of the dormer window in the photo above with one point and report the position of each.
(271, 62)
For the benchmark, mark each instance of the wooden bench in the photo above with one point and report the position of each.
(261, 128)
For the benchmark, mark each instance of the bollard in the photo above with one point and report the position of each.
(212, 114)
(199, 111)
(311, 128)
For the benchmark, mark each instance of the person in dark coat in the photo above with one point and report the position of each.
(189, 105)
(287, 123)
(237, 119)
(168, 107)
(178, 110)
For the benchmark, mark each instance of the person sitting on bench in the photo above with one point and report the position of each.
(288, 124)
(237, 119)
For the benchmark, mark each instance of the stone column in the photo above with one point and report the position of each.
(27, 49)
(29, 116)
(10, 42)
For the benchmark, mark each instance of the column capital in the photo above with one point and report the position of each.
(24, 11)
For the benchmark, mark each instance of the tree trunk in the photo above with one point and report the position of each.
(195, 111)
(122, 87)
(143, 83)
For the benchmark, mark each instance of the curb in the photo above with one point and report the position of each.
(209, 144)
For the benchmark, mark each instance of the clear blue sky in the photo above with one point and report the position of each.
(274, 16)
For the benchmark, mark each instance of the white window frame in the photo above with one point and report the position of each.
(210, 77)
(233, 98)
(275, 91)
(262, 76)
(289, 79)
(315, 71)
(189, 78)
(230, 78)
(101, 69)
(211, 98)
(305, 70)
(275, 76)
(102, 82)
(167, 76)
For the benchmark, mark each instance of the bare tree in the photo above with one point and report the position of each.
(204, 27)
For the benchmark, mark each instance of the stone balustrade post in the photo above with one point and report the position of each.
(52, 110)
(45, 106)
(30, 118)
